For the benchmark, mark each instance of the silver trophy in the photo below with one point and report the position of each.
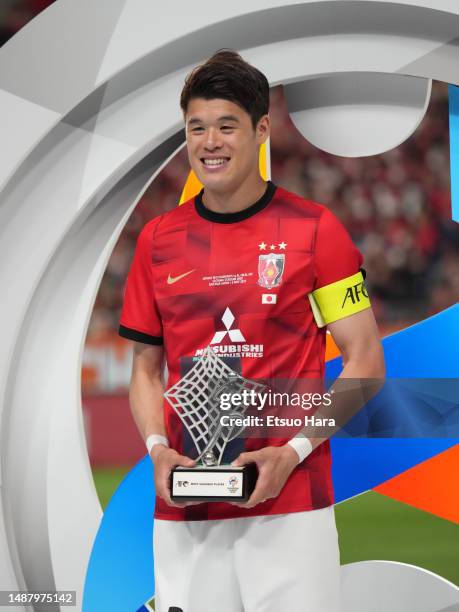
(196, 398)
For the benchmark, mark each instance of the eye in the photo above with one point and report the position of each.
(227, 128)
(197, 129)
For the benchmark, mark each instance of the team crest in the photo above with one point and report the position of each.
(270, 270)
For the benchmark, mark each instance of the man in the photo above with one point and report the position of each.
(233, 268)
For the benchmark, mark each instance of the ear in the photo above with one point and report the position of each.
(262, 129)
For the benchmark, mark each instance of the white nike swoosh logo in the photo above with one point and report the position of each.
(171, 280)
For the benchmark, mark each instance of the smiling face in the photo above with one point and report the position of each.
(223, 147)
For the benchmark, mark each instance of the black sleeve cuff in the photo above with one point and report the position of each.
(133, 334)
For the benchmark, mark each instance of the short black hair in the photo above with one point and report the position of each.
(228, 76)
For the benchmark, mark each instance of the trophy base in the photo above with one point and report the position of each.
(220, 483)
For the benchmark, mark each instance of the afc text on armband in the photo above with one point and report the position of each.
(354, 293)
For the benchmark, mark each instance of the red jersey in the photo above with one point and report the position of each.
(239, 282)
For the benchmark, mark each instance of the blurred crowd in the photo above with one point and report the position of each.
(396, 207)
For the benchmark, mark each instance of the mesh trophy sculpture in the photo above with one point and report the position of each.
(196, 398)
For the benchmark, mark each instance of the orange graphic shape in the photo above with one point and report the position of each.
(331, 350)
(432, 485)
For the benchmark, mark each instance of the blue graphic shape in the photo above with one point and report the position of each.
(421, 393)
(120, 570)
(361, 464)
(428, 349)
(453, 99)
(408, 408)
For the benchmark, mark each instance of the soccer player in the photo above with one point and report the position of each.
(233, 268)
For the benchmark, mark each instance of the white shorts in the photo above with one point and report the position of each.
(279, 563)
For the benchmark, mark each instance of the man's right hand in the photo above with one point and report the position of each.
(164, 460)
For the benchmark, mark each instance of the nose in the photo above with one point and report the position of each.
(212, 140)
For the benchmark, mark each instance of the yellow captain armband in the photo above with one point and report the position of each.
(339, 300)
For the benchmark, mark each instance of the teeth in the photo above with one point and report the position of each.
(214, 162)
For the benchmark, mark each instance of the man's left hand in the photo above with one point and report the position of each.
(275, 464)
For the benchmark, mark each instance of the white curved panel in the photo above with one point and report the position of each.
(380, 586)
(357, 114)
(334, 36)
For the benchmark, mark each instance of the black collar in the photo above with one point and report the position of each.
(240, 215)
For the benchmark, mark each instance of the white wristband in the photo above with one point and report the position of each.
(302, 445)
(155, 439)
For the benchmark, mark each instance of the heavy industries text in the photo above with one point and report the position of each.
(235, 350)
